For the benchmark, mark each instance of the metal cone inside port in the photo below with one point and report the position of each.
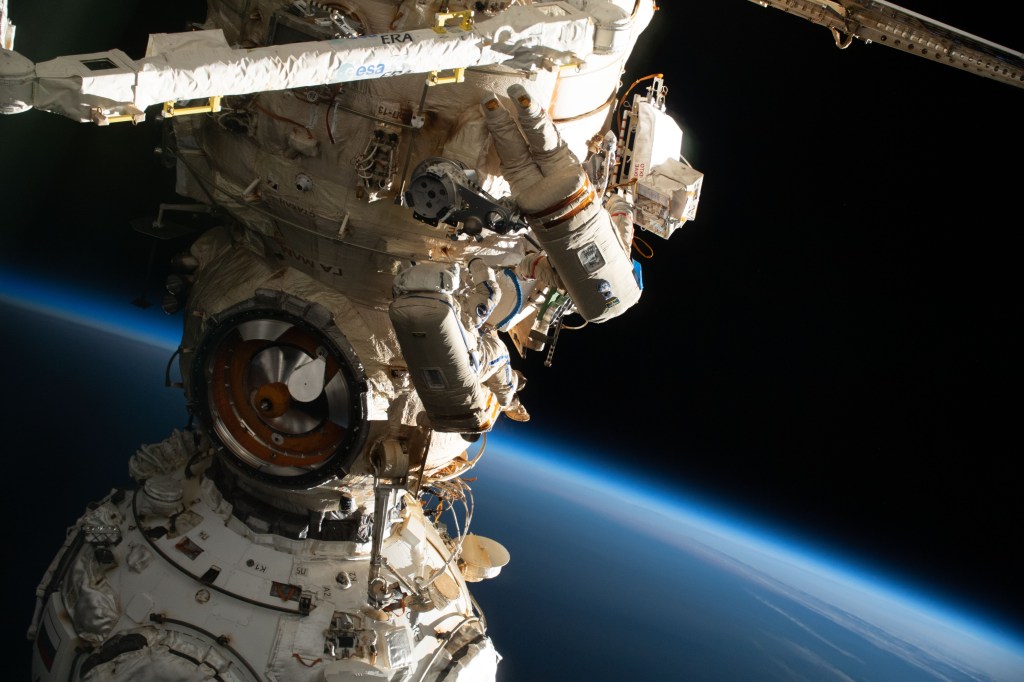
(277, 392)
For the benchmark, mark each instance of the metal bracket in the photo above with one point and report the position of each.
(457, 76)
(441, 18)
(102, 119)
(211, 107)
(574, 64)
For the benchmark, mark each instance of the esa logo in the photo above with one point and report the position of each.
(370, 70)
(349, 72)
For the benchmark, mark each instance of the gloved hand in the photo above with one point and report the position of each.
(546, 178)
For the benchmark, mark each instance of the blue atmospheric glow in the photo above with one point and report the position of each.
(71, 302)
(670, 500)
(153, 327)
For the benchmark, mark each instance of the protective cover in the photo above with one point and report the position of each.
(658, 139)
(442, 363)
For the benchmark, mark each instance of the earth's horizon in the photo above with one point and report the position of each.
(611, 576)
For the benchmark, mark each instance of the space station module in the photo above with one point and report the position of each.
(409, 196)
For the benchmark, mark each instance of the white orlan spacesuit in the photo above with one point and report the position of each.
(441, 312)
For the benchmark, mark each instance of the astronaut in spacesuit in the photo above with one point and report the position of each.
(479, 300)
(586, 247)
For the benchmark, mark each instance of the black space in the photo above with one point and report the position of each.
(831, 346)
